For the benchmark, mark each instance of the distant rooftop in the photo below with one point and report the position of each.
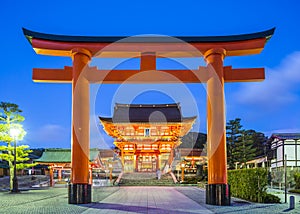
(286, 136)
(62, 156)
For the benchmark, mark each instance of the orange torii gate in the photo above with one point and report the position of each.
(213, 49)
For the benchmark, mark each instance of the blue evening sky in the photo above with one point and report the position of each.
(269, 106)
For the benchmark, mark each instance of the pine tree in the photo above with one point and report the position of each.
(260, 143)
(10, 118)
(243, 145)
(244, 149)
(233, 136)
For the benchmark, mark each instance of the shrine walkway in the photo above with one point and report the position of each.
(151, 199)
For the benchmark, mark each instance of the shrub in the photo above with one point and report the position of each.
(192, 180)
(248, 184)
(297, 180)
(269, 198)
(202, 184)
(295, 191)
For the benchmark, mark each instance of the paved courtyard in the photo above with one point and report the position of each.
(130, 200)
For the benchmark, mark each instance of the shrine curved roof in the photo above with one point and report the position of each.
(147, 39)
(141, 113)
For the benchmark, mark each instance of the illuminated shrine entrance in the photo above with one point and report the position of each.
(148, 48)
(147, 162)
(147, 134)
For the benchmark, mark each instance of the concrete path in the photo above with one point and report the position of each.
(131, 200)
(147, 200)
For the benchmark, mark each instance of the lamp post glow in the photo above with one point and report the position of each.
(14, 133)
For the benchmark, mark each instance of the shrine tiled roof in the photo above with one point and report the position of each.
(62, 156)
(286, 136)
(153, 113)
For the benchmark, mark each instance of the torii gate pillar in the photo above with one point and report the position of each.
(79, 188)
(217, 189)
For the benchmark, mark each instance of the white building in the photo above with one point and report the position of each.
(285, 149)
(285, 145)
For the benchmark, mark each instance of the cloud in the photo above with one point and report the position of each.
(50, 135)
(98, 137)
(279, 88)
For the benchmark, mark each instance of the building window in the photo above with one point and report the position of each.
(147, 132)
(128, 147)
(165, 147)
(155, 147)
(147, 147)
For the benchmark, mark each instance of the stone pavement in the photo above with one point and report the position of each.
(130, 200)
(281, 195)
(147, 200)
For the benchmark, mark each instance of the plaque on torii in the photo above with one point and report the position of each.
(213, 48)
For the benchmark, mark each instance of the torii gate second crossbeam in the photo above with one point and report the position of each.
(213, 49)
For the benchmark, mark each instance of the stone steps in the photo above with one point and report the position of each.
(145, 179)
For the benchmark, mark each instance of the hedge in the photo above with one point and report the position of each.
(251, 185)
(297, 180)
(192, 180)
(295, 191)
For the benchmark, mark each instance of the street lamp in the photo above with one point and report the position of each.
(110, 167)
(14, 133)
(182, 171)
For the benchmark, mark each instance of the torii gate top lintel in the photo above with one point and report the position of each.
(62, 45)
(148, 48)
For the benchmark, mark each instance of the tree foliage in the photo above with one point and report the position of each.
(22, 155)
(10, 118)
(260, 143)
(233, 137)
(193, 140)
(243, 145)
(244, 149)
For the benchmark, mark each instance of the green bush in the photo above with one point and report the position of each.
(295, 191)
(192, 180)
(202, 184)
(248, 184)
(297, 180)
(269, 198)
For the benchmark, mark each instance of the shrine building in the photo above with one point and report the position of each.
(147, 135)
(59, 163)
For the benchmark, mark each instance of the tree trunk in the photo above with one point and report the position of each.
(11, 176)
(11, 168)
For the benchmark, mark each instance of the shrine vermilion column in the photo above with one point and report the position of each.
(80, 189)
(217, 191)
(51, 176)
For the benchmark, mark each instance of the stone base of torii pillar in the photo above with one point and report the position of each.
(218, 194)
(80, 193)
